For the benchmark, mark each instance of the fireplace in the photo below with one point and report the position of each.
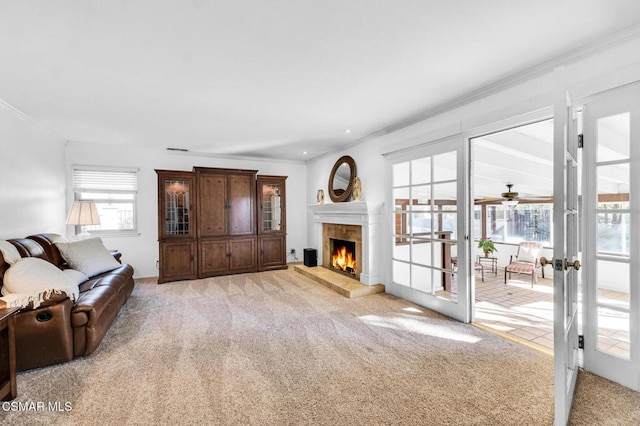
(339, 240)
(357, 222)
(343, 256)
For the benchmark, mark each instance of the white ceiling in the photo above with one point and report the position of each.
(271, 78)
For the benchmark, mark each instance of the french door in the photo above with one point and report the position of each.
(430, 248)
(566, 264)
(612, 236)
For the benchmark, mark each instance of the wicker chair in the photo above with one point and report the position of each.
(526, 261)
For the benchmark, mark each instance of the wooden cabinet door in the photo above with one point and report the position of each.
(177, 261)
(272, 253)
(214, 257)
(241, 199)
(213, 205)
(243, 255)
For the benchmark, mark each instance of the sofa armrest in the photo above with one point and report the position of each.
(44, 335)
(90, 305)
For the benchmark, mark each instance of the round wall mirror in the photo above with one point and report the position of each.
(341, 179)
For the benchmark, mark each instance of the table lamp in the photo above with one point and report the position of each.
(83, 213)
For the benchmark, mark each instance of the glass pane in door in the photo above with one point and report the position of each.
(271, 208)
(614, 283)
(402, 273)
(613, 332)
(613, 137)
(421, 171)
(445, 166)
(421, 279)
(176, 208)
(401, 174)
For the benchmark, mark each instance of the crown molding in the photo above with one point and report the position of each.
(24, 117)
(16, 112)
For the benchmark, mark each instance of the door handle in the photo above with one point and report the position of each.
(575, 264)
(559, 265)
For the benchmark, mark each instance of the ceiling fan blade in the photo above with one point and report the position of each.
(486, 200)
(535, 196)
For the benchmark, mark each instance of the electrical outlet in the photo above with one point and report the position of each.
(293, 251)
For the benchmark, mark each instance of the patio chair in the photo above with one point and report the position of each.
(526, 261)
(476, 267)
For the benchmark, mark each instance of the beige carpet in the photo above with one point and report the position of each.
(279, 349)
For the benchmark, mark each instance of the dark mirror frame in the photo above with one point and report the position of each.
(339, 198)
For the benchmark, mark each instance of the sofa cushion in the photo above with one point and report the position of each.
(76, 277)
(9, 252)
(33, 280)
(88, 256)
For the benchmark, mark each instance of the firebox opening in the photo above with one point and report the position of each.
(343, 256)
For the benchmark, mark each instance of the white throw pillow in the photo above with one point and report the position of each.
(75, 277)
(9, 252)
(528, 255)
(88, 256)
(34, 278)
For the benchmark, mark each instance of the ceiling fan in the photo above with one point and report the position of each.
(509, 198)
(509, 195)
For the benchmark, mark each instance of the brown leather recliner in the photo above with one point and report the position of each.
(59, 329)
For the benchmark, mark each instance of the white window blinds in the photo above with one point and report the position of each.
(105, 180)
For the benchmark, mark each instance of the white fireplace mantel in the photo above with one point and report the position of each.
(363, 213)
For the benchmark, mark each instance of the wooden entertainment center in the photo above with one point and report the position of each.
(216, 221)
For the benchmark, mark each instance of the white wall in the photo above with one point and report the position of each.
(142, 251)
(32, 176)
(594, 71)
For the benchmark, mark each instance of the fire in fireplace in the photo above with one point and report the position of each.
(343, 256)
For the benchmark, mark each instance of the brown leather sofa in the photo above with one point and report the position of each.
(60, 329)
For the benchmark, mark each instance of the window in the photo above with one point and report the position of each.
(525, 222)
(114, 191)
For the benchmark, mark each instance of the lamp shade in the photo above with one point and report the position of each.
(510, 203)
(83, 213)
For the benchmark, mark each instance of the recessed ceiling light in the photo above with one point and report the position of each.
(304, 152)
(347, 131)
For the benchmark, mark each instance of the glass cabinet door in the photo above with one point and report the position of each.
(271, 208)
(175, 205)
(272, 205)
